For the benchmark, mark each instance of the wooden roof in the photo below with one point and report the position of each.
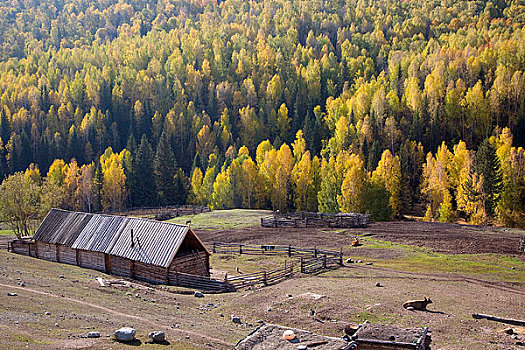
(154, 242)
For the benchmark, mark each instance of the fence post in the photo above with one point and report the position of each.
(264, 279)
(240, 248)
(341, 257)
(302, 264)
(289, 250)
(315, 252)
(214, 249)
(324, 261)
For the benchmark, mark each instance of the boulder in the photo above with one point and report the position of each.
(125, 334)
(157, 336)
(93, 335)
(198, 295)
(236, 319)
(12, 294)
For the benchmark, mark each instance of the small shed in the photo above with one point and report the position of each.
(143, 249)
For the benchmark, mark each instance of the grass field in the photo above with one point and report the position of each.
(224, 219)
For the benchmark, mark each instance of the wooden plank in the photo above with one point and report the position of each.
(499, 319)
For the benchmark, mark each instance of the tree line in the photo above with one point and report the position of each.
(483, 186)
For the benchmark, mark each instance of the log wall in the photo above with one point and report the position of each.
(91, 260)
(150, 273)
(67, 255)
(195, 264)
(121, 266)
(189, 270)
(23, 247)
(46, 251)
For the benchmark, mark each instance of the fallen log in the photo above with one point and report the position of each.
(500, 319)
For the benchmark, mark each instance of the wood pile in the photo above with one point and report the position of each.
(306, 219)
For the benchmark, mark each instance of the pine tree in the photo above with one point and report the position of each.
(165, 169)
(143, 191)
(97, 187)
(487, 164)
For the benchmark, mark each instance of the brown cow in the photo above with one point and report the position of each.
(417, 304)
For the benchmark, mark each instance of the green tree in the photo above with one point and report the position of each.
(144, 192)
(165, 169)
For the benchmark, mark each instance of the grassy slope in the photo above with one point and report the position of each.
(224, 219)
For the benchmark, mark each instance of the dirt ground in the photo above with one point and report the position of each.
(322, 303)
(443, 238)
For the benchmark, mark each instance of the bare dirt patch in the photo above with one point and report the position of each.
(443, 238)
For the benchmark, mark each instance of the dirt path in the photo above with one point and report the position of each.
(121, 314)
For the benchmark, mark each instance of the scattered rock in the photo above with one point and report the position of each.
(509, 330)
(378, 284)
(288, 295)
(221, 314)
(301, 347)
(22, 284)
(47, 313)
(349, 261)
(56, 324)
(269, 309)
(359, 261)
(236, 319)
(128, 293)
(125, 334)
(137, 295)
(515, 337)
(260, 321)
(157, 336)
(410, 308)
(93, 335)
(12, 294)
(369, 263)
(16, 322)
(198, 295)
(61, 276)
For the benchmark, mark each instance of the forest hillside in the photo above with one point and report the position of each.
(390, 107)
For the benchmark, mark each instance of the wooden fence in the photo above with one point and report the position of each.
(5, 245)
(264, 278)
(315, 264)
(308, 260)
(201, 283)
(267, 249)
(306, 219)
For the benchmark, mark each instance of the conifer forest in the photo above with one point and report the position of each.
(395, 108)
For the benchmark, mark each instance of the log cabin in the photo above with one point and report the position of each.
(142, 249)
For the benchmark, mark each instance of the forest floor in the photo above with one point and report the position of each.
(463, 269)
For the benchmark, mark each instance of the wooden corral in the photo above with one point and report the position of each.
(306, 219)
(142, 249)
